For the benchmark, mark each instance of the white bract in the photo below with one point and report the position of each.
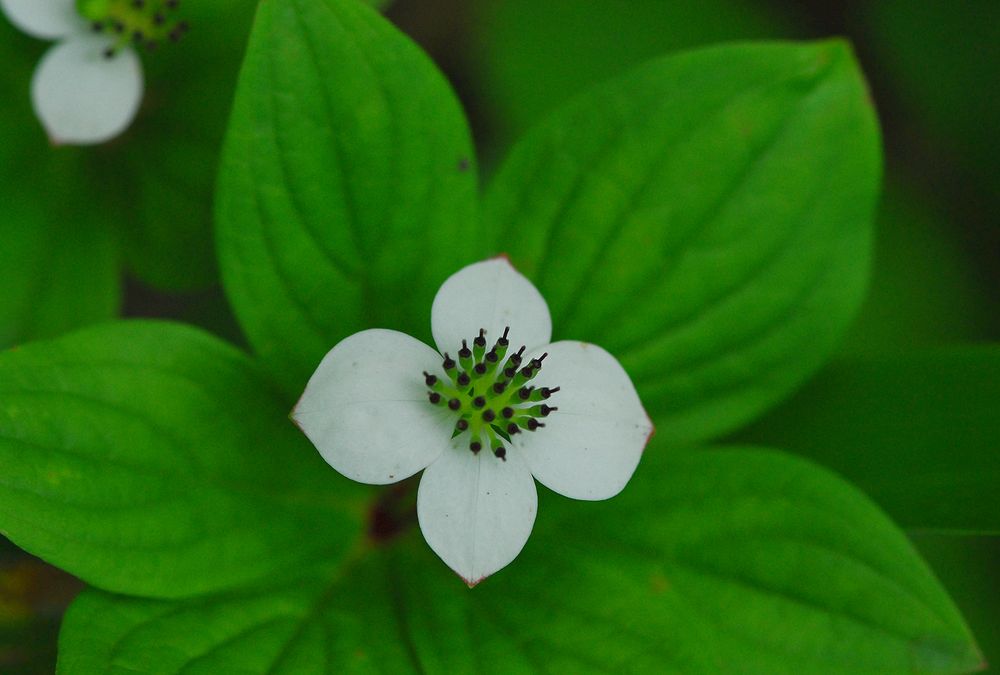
(87, 88)
(383, 405)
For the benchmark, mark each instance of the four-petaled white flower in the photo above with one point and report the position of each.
(383, 405)
(88, 87)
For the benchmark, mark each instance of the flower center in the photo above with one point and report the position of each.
(491, 397)
(142, 22)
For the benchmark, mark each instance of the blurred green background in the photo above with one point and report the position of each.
(933, 67)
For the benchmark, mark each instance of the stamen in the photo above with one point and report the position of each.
(537, 363)
(481, 393)
(465, 356)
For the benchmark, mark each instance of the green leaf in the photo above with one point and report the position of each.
(347, 192)
(916, 431)
(532, 55)
(713, 562)
(706, 218)
(152, 459)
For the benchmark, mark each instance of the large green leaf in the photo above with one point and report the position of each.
(707, 218)
(347, 190)
(919, 432)
(152, 459)
(714, 562)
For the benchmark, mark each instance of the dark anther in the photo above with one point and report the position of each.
(173, 4)
(118, 26)
(449, 362)
(546, 392)
(499, 387)
(462, 424)
(517, 357)
(463, 379)
(489, 415)
(534, 424)
(480, 368)
(524, 393)
(138, 4)
(454, 404)
(97, 26)
(152, 45)
(475, 446)
(138, 37)
(109, 52)
(546, 410)
(507, 412)
(537, 363)
(429, 380)
(491, 356)
(503, 341)
(512, 429)
(183, 26)
(500, 452)
(509, 373)
(174, 35)
(434, 397)
(464, 352)
(527, 372)
(479, 402)
(481, 340)
(159, 19)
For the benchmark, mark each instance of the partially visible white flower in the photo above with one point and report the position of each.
(87, 88)
(382, 406)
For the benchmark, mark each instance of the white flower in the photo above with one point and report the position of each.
(382, 406)
(87, 88)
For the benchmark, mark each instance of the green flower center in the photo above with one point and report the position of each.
(148, 23)
(491, 398)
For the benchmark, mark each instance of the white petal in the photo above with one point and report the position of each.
(82, 97)
(590, 447)
(366, 409)
(476, 511)
(491, 295)
(46, 19)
